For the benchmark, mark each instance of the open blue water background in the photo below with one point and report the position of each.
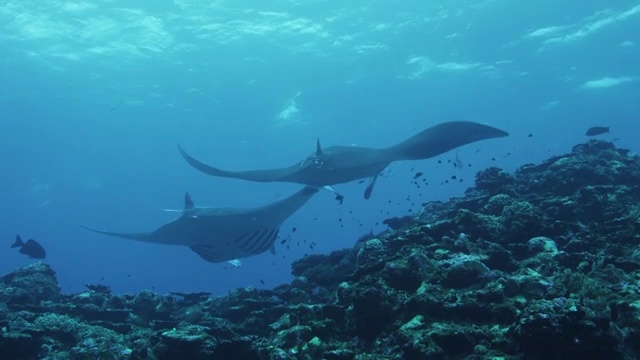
(95, 96)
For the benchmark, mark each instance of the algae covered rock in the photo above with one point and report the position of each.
(189, 342)
(371, 255)
(30, 285)
(83, 341)
(494, 181)
(564, 329)
(464, 271)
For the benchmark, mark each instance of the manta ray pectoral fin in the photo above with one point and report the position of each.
(333, 191)
(200, 166)
(260, 175)
(130, 236)
(369, 189)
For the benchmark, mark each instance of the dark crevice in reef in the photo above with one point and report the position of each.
(539, 264)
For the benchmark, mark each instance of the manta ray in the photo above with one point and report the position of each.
(223, 234)
(341, 164)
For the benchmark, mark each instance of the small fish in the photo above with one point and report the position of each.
(116, 106)
(31, 248)
(597, 130)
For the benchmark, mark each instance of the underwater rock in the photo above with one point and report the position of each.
(561, 328)
(82, 340)
(370, 255)
(116, 302)
(90, 298)
(30, 285)
(325, 270)
(497, 257)
(293, 336)
(371, 309)
(402, 275)
(463, 271)
(148, 305)
(496, 204)
(191, 298)
(397, 223)
(19, 345)
(99, 288)
(485, 226)
(189, 342)
(522, 220)
(494, 181)
(528, 284)
(417, 342)
(542, 244)
(313, 348)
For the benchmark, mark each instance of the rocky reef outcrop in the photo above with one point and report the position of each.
(542, 263)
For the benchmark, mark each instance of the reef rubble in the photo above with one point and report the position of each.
(542, 263)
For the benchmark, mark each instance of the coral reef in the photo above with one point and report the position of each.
(539, 264)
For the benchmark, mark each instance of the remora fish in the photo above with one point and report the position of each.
(31, 248)
(224, 234)
(342, 164)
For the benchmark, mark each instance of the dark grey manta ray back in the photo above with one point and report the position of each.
(341, 164)
(223, 234)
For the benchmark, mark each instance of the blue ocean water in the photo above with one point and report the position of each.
(95, 96)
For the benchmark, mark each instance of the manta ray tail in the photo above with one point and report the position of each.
(441, 138)
(131, 236)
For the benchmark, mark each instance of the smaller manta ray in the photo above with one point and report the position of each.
(31, 248)
(342, 164)
(224, 234)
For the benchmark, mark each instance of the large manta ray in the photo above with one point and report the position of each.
(224, 234)
(341, 164)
